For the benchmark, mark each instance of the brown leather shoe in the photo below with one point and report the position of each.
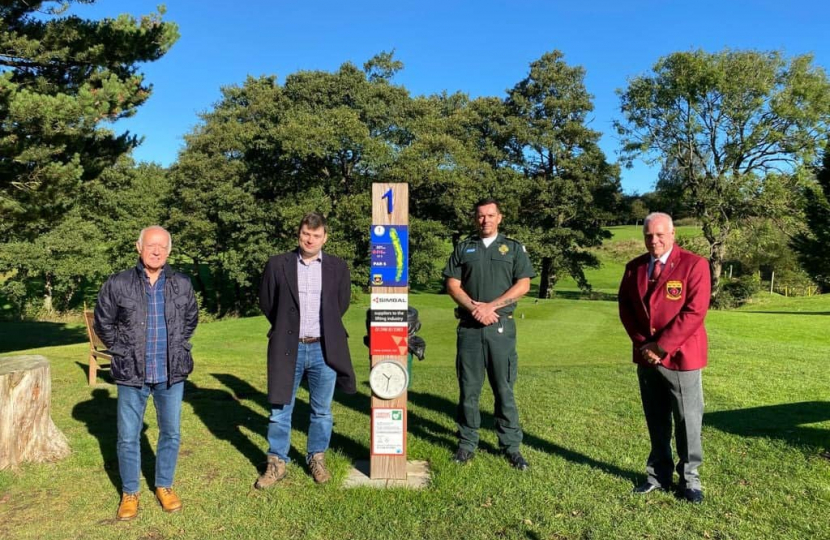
(128, 509)
(170, 502)
(274, 472)
(317, 464)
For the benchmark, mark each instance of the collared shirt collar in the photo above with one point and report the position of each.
(318, 258)
(492, 239)
(663, 259)
(139, 267)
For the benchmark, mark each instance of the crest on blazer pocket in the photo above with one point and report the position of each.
(674, 290)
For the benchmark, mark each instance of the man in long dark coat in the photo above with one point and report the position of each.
(304, 295)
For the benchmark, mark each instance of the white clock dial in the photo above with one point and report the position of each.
(388, 379)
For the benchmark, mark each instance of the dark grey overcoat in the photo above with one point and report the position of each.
(279, 300)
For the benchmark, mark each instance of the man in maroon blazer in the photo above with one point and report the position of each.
(304, 295)
(663, 299)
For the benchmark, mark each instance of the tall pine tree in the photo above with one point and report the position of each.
(62, 79)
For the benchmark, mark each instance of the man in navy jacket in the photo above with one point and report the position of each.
(146, 316)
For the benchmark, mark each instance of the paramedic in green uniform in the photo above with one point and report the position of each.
(486, 276)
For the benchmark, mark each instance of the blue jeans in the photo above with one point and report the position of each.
(321, 380)
(132, 403)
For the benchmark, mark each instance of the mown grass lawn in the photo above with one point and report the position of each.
(767, 417)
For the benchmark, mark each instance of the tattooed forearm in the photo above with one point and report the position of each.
(506, 302)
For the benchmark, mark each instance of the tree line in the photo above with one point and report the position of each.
(737, 133)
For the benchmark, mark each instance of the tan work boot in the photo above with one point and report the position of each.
(170, 502)
(317, 464)
(274, 472)
(128, 509)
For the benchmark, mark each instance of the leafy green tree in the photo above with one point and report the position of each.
(49, 273)
(813, 244)
(65, 266)
(639, 210)
(62, 79)
(267, 154)
(123, 200)
(569, 188)
(725, 121)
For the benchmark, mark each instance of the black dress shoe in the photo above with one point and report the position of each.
(825, 454)
(517, 461)
(462, 456)
(646, 487)
(694, 496)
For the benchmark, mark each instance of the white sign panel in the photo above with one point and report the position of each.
(386, 301)
(388, 431)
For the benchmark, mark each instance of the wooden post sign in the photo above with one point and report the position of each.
(388, 340)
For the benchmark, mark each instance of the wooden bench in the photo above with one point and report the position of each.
(97, 349)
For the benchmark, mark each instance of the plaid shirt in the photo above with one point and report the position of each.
(155, 354)
(310, 285)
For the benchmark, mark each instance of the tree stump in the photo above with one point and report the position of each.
(27, 432)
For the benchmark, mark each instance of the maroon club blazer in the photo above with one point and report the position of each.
(674, 315)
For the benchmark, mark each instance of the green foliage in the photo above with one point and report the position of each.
(58, 264)
(694, 243)
(268, 153)
(61, 79)
(569, 190)
(427, 245)
(62, 268)
(813, 244)
(737, 291)
(125, 199)
(720, 124)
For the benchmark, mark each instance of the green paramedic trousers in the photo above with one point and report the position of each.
(480, 350)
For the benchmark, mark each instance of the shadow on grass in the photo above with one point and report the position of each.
(785, 421)
(20, 336)
(439, 434)
(224, 413)
(101, 418)
(103, 373)
(444, 406)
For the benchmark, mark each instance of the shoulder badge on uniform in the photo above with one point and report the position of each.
(503, 249)
(524, 248)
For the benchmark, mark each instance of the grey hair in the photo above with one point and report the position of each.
(150, 228)
(655, 215)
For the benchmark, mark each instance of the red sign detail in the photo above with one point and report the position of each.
(388, 340)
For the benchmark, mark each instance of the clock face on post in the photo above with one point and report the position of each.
(388, 379)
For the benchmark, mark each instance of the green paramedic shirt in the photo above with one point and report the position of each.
(486, 273)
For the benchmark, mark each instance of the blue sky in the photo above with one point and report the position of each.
(480, 48)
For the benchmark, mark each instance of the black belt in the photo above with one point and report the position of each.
(307, 340)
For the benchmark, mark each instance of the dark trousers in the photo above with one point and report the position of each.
(480, 351)
(669, 394)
